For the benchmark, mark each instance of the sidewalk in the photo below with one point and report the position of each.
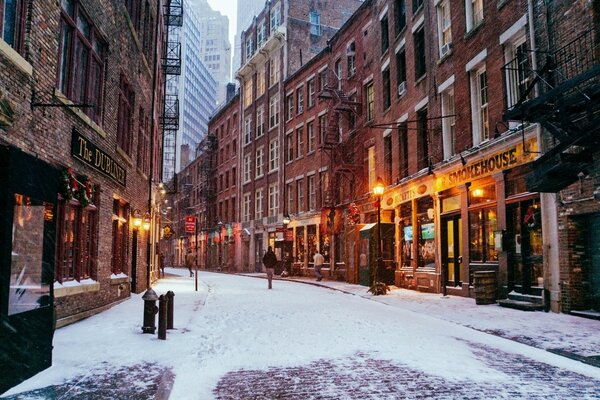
(569, 336)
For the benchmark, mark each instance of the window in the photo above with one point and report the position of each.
(260, 153)
(482, 224)
(261, 84)
(249, 48)
(399, 15)
(310, 87)
(517, 71)
(12, 22)
(273, 200)
(370, 101)
(422, 139)
(80, 60)
(420, 61)
(289, 102)
(247, 168)
(315, 23)
(274, 70)
(261, 34)
(274, 111)
(385, 78)
(289, 188)
(401, 72)
(300, 194)
(324, 180)
(403, 150)
(148, 38)
(322, 80)
(247, 205)
(416, 5)
(479, 104)
(312, 193)
(248, 130)
(258, 204)
(275, 17)
(299, 142)
(385, 40)
(323, 128)
(143, 152)
(76, 246)
(120, 230)
(448, 122)
(125, 116)
(300, 99)
(351, 59)
(260, 121)
(338, 73)
(387, 158)
(444, 27)
(134, 9)
(273, 155)
(310, 132)
(289, 147)
(248, 92)
(371, 168)
(474, 11)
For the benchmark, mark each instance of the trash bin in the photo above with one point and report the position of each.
(485, 287)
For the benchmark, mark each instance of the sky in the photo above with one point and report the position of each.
(234, 323)
(228, 8)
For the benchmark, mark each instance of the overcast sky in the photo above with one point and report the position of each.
(228, 8)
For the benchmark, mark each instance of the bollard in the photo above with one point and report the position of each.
(171, 306)
(162, 317)
(150, 311)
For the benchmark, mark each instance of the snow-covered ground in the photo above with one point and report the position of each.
(234, 323)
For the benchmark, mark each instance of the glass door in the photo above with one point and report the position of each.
(451, 250)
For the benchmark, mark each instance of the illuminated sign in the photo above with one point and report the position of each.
(86, 151)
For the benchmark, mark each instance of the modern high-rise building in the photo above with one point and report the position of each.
(197, 90)
(215, 48)
(246, 11)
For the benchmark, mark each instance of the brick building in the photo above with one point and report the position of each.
(79, 152)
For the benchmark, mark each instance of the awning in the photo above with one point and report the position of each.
(365, 230)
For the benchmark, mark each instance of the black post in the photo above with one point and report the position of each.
(197, 255)
(162, 317)
(171, 306)
(379, 263)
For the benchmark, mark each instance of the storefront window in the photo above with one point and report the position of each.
(450, 204)
(27, 288)
(312, 242)
(300, 248)
(425, 232)
(482, 224)
(325, 247)
(480, 195)
(406, 233)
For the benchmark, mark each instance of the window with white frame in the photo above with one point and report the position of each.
(275, 17)
(401, 72)
(517, 70)
(315, 23)
(370, 94)
(300, 99)
(289, 147)
(261, 33)
(274, 111)
(448, 123)
(274, 155)
(247, 205)
(312, 193)
(247, 167)
(273, 200)
(260, 156)
(474, 11)
(299, 142)
(310, 133)
(479, 106)
(260, 121)
(261, 84)
(274, 70)
(351, 59)
(338, 72)
(258, 204)
(248, 92)
(249, 48)
(289, 106)
(444, 28)
(289, 187)
(310, 88)
(371, 167)
(300, 194)
(247, 130)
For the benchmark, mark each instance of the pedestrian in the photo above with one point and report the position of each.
(318, 259)
(270, 260)
(189, 261)
(161, 260)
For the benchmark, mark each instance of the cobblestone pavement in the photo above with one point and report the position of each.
(137, 382)
(364, 376)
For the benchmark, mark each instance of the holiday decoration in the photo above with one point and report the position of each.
(71, 188)
(353, 216)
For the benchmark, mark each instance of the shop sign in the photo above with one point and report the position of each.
(86, 151)
(487, 165)
(190, 224)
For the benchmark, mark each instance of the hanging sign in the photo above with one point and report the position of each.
(190, 224)
(87, 152)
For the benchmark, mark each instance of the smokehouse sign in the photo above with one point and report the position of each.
(89, 153)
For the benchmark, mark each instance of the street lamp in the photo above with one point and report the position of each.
(378, 192)
(137, 219)
(146, 222)
(286, 219)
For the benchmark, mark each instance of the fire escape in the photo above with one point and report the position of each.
(340, 144)
(564, 97)
(208, 184)
(171, 63)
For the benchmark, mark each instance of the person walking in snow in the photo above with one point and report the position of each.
(318, 259)
(270, 260)
(189, 261)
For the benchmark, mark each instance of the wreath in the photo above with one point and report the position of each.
(353, 216)
(71, 188)
(532, 218)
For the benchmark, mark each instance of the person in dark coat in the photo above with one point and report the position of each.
(270, 260)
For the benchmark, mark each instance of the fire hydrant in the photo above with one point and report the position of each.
(150, 311)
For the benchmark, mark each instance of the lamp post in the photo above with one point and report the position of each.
(378, 192)
(220, 248)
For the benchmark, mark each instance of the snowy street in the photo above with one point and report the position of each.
(235, 339)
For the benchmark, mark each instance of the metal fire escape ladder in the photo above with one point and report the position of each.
(209, 183)
(171, 64)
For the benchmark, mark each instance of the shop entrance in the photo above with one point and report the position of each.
(451, 250)
(258, 252)
(28, 198)
(524, 245)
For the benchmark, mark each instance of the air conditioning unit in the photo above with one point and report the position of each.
(446, 49)
(401, 88)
